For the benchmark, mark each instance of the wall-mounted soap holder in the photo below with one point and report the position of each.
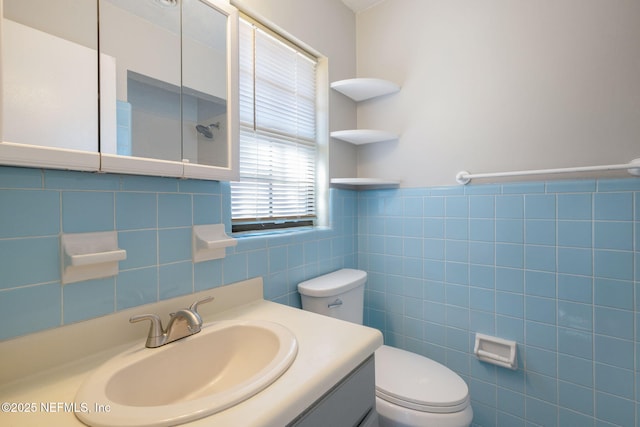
(497, 351)
(86, 256)
(209, 242)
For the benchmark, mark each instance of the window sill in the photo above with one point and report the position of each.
(279, 232)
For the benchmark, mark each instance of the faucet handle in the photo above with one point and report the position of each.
(156, 325)
(194, 306)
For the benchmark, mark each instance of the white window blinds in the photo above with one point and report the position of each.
(277, 131)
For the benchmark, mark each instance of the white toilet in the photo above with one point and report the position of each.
(411, 390)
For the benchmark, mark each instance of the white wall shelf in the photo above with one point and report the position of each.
(361, 89)
(364, 183)
(363, 136)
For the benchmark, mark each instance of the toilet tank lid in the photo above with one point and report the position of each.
(335, 283)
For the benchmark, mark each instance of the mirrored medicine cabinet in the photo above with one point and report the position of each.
(129, 86)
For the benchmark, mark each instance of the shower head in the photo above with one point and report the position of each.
(205, 131)
(166, 3)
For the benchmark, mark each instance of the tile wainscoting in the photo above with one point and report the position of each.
(551, 265)
(153, 218)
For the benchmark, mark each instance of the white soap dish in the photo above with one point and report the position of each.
(86, 256)
(209, 242)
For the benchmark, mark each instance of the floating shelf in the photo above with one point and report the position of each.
(363, 136)
(361, 89)
(364, 183)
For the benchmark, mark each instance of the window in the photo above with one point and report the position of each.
(278, 149)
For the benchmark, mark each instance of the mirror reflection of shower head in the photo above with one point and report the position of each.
(206, 131)
(166, 3)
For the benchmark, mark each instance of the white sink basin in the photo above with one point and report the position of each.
(223, 365)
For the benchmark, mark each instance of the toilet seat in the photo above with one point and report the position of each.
(415, 382)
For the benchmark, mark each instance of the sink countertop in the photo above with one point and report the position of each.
(328, 349)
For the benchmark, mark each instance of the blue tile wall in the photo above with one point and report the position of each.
(153, 218)
(552, 265)
(123, 117)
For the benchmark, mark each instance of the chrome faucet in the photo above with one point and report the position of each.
(183, 323)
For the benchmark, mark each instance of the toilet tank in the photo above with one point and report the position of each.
(339, 294)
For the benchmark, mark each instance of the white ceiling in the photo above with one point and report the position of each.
(360, 5)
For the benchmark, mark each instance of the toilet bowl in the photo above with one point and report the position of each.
(411, 390)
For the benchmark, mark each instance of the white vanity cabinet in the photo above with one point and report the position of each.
(145, 87)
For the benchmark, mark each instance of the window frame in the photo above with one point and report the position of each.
(244, 225)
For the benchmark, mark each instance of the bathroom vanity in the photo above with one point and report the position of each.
(330, 381)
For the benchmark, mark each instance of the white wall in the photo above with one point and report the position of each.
(498, 85)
